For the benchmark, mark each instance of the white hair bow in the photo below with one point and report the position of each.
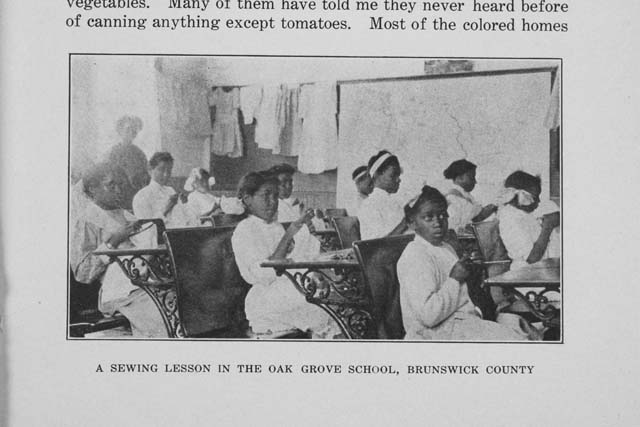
(190, 183)
(508, 194)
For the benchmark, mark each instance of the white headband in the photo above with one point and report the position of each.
(360, 175)
(376, 165)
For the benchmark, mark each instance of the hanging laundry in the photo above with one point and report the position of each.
(319, 139)
(250, 97)
(292, 124)
(267, 134)
(226, 138)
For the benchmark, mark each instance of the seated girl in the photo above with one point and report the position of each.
(526, 237)
(273, 304)
(463, 208)
(202, 202)
(289, 208)
(433, 293)
(381, 214)
(104, 224)
(158, 199)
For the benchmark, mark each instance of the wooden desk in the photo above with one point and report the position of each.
(543, 277)
(343, 297)
(150, 270)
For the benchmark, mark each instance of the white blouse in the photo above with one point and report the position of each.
(272, 302)
(429, 298)
(462, 207)
(379, 214)
(519, 231)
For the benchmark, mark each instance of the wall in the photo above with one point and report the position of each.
(496, 122)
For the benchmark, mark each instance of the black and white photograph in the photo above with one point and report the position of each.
(315, 198)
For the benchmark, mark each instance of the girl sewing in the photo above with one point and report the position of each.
(202, 202)
(433, 293)
(381, 214)
(104, 224)
(527, 235)
(463, 208)
(273, 304)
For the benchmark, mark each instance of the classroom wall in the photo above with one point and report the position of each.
(103, 89)
(497, 122)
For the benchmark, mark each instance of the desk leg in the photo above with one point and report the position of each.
(536, 302)
(166, 301)
(340, 299)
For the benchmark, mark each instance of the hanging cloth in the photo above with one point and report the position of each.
(226, 139)
(319, 138)
(250, 97)
(270, 124)
(292, 124)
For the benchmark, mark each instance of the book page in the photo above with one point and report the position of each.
(229, 87)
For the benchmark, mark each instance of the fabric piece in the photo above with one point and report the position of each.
(250, 98)
(226, 139)
(273, 303)
(319, 138)
(462, 208)
(289, 209)
(291, 132)
(267, 134)
(379, 214)
(436, 306)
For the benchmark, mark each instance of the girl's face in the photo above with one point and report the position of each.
(389, 180)
(109, 194)
(467, 180)
(162, 172)
(430, 222)
(264, 202)
(286, 185)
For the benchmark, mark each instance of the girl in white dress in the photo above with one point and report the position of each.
(433, 293)
(528, 237)
(273, 304)
(381, 214)
(463, 208)
(202, 202)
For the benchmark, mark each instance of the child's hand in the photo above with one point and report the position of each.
(305, 218)
(460, 270)
(122, 233)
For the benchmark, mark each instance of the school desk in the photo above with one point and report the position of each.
(342, 297)
(539, 279)
(150, 270)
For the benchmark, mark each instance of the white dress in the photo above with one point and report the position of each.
(462, 208)
(226, 138)
(379, 214)
(199, 204)
(519, 231)
(273, 304)
(436, 306)
(149, 203)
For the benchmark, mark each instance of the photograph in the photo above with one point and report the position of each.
(333, 198)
